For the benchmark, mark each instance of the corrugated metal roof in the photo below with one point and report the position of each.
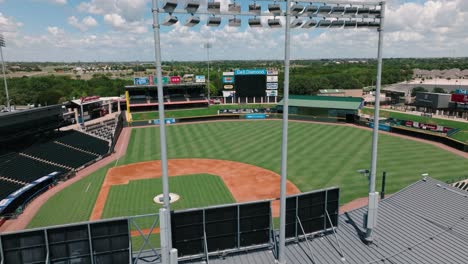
(332, 102)
(427, 222)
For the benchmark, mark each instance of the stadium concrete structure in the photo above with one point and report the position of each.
(330, 107)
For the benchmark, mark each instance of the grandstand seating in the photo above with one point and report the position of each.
(85, 142)
(59, 154)
(8, 188)
(177, 98)
(138, 100)
(102, 130)
(24, 169)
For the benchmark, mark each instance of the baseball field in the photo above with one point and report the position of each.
(320, 156)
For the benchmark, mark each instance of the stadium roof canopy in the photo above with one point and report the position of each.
(426, 222)
(332, 102)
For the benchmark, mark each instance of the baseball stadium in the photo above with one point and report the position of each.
(168, 173)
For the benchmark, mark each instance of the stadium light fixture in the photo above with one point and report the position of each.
(234, 22)
(255, 9)
(192, 21)
(311, 23)
(338, 10)
(324, 23)
(351, 10)
(234, 8)
(255, 22)
(170, 20)
(325, 9)
(296, 23)
(214, 7)
(213, 21)
(274, 23)
(320, 14)
(297, 9)
(337, 24)
(275, 9)
(170, 6)
(311, 9)
(192, 6)
(7, 96)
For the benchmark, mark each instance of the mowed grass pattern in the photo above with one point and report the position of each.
(136, 198)
(319, 155)
(73, 204)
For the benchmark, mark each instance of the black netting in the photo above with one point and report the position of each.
(254, 223)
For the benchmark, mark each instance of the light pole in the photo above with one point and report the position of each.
(2, 45)
(323, 14)
(208, 46)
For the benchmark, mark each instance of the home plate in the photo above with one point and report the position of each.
(172, 198)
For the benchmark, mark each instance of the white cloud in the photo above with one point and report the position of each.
(55, 31)
(119, 23)
(130, 10)
(60, 2)
(84, 24)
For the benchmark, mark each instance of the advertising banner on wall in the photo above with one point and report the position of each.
(461, 91)
(250, 72)
(271, 92)
(141, 81)
(272, 86)
(460, 98)
(228, 73)
(229, 93)
(272, 78)
(228, 79)
(228, 87)
(272, 72)
(166, 120)
(175, 79)
(200, 79)
(165, 80)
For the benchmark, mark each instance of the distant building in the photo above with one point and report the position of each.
(430, 102)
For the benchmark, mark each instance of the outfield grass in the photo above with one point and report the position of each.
(319, 156)
(136, 198)
(461, 135)
(212, 110)
(73, 204)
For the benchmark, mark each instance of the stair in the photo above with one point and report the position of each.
(77, 149)
(46, 161)
(13, 180)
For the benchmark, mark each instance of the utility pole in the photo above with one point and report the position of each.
(208, 46)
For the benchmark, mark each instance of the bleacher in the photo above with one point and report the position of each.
(85, 142)
(24, 169)
(60, 154)
(104, 130)
(8, 188)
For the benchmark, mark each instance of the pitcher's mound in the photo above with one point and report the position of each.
(172, 198)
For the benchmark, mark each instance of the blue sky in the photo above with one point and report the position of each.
(120, 30)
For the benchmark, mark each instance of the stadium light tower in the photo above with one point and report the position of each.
(2, 45)
(208, 46)
(307, 14)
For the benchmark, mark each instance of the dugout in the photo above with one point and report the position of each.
(327, 108)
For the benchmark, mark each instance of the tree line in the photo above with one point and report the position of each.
(306, 77)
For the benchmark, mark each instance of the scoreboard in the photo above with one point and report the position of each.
(250, 85)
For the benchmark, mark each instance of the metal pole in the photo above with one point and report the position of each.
(372, 212)
(208, 54)
(284, 146)
(162, 124)
(5, 81)
(382, 192)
